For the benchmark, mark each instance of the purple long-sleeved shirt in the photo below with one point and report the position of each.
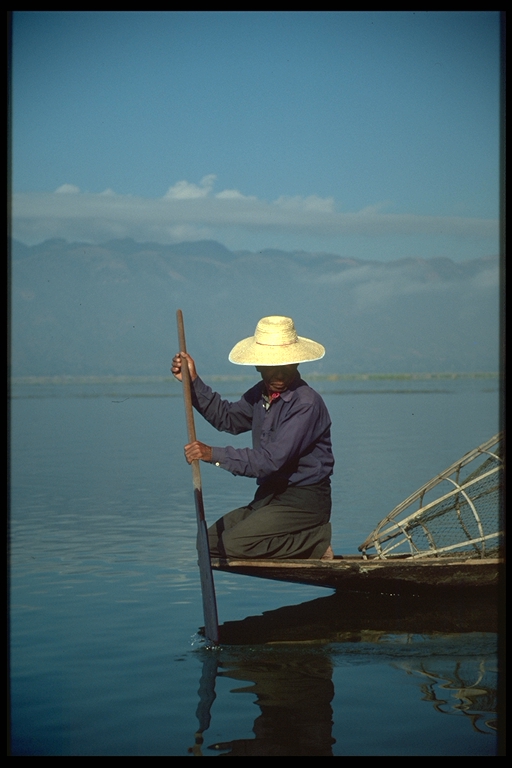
(291, 439)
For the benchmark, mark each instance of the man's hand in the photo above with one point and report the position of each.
(196, 450)
(177, 363)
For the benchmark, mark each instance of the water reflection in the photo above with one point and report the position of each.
(286, 659)
(468, 688)
(206, 697)
(293, 691)
(354, 616)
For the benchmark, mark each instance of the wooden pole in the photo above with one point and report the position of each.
(211, 622)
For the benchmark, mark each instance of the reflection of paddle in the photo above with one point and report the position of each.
(211, 623)
(206, 698)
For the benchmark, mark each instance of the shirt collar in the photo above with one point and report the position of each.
(270, 397)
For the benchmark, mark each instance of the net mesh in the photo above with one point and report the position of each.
(457, 512)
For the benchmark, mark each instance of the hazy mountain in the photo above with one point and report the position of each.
(110, 309)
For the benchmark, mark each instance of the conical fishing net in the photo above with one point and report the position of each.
(457, 512)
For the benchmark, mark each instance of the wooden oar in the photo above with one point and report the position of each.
(211, 623)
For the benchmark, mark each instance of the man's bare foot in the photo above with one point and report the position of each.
(329, 554)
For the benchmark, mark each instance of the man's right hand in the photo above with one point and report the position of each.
(177, 363)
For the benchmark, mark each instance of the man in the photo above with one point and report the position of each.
(291, 455)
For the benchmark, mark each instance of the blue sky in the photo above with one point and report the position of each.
(372, 135)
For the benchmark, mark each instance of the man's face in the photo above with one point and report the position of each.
(278, 377)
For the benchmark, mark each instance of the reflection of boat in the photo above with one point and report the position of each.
(290, 662)
(359, 617)
(447, 534)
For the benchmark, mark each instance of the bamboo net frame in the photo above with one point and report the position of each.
(458, 511)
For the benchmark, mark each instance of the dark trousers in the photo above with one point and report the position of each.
(280, 523)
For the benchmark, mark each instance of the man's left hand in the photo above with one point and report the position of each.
(198, 451)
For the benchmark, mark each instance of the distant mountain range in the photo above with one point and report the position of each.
(82, 309)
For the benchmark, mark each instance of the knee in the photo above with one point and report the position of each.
(215, 532)
(235, 546)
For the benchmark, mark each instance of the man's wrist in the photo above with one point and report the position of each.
(217, 456)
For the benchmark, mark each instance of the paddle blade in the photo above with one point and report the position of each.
(211, 621)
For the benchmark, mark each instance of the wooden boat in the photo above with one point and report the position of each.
(446, 535)
(356, 573)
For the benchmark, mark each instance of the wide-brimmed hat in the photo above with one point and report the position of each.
(275, 342)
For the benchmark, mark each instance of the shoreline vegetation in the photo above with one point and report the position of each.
(127, 379)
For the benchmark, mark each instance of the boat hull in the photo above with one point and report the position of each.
(368, 575)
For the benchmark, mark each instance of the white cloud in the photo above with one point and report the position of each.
(184, 190)
(488, 278)
(233, 194)
(67, 189)
(311, 203)
(193, 208)
(370, 286)
(381, 288)
(377, 208)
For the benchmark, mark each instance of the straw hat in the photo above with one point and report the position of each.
(275, 342)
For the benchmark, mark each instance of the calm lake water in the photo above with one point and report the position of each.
(106, 655)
